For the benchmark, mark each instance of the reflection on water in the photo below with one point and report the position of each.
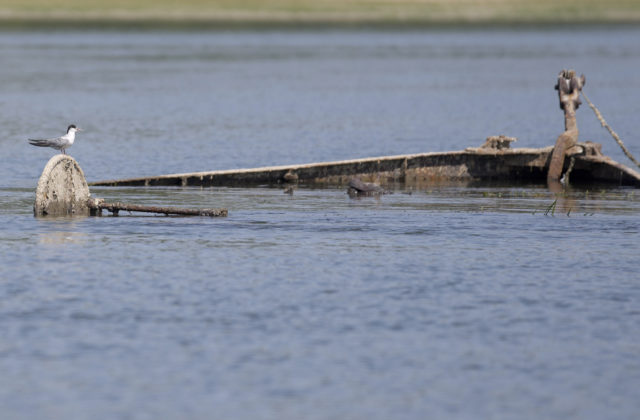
(59, 238)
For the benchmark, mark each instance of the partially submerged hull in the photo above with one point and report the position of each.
(418, 170)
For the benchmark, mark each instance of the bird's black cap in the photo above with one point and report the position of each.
(70, 127)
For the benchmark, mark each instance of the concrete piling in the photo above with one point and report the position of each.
(62, 189)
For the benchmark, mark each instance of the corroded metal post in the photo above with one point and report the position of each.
(569, 86)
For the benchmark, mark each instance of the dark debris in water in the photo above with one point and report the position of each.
(357, 188)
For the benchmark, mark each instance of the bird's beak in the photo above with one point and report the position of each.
(79, 129)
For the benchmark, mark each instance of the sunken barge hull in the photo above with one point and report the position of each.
(472, 165)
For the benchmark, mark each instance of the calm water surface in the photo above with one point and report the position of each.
(453, 302)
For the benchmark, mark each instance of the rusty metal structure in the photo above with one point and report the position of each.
(472, 165)
(494, 161)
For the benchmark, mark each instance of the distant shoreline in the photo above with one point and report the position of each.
(171, 24)
(150, 19)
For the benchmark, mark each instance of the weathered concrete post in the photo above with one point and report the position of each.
(569, 87)
(62, 189)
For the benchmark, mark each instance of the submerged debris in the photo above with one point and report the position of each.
(357, 188)
(63, 191)
(98, 204)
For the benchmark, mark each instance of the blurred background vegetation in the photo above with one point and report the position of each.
(345, 12)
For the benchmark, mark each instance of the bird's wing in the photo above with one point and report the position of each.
(54, 142)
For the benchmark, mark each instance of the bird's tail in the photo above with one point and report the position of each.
(40, 142)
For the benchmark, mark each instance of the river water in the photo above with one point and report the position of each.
(451, 302)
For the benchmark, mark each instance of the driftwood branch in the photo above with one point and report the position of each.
(98, 205)
(569, 87)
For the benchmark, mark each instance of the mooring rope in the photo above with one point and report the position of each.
(613, 133)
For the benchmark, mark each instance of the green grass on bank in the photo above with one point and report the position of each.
(320, 11)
